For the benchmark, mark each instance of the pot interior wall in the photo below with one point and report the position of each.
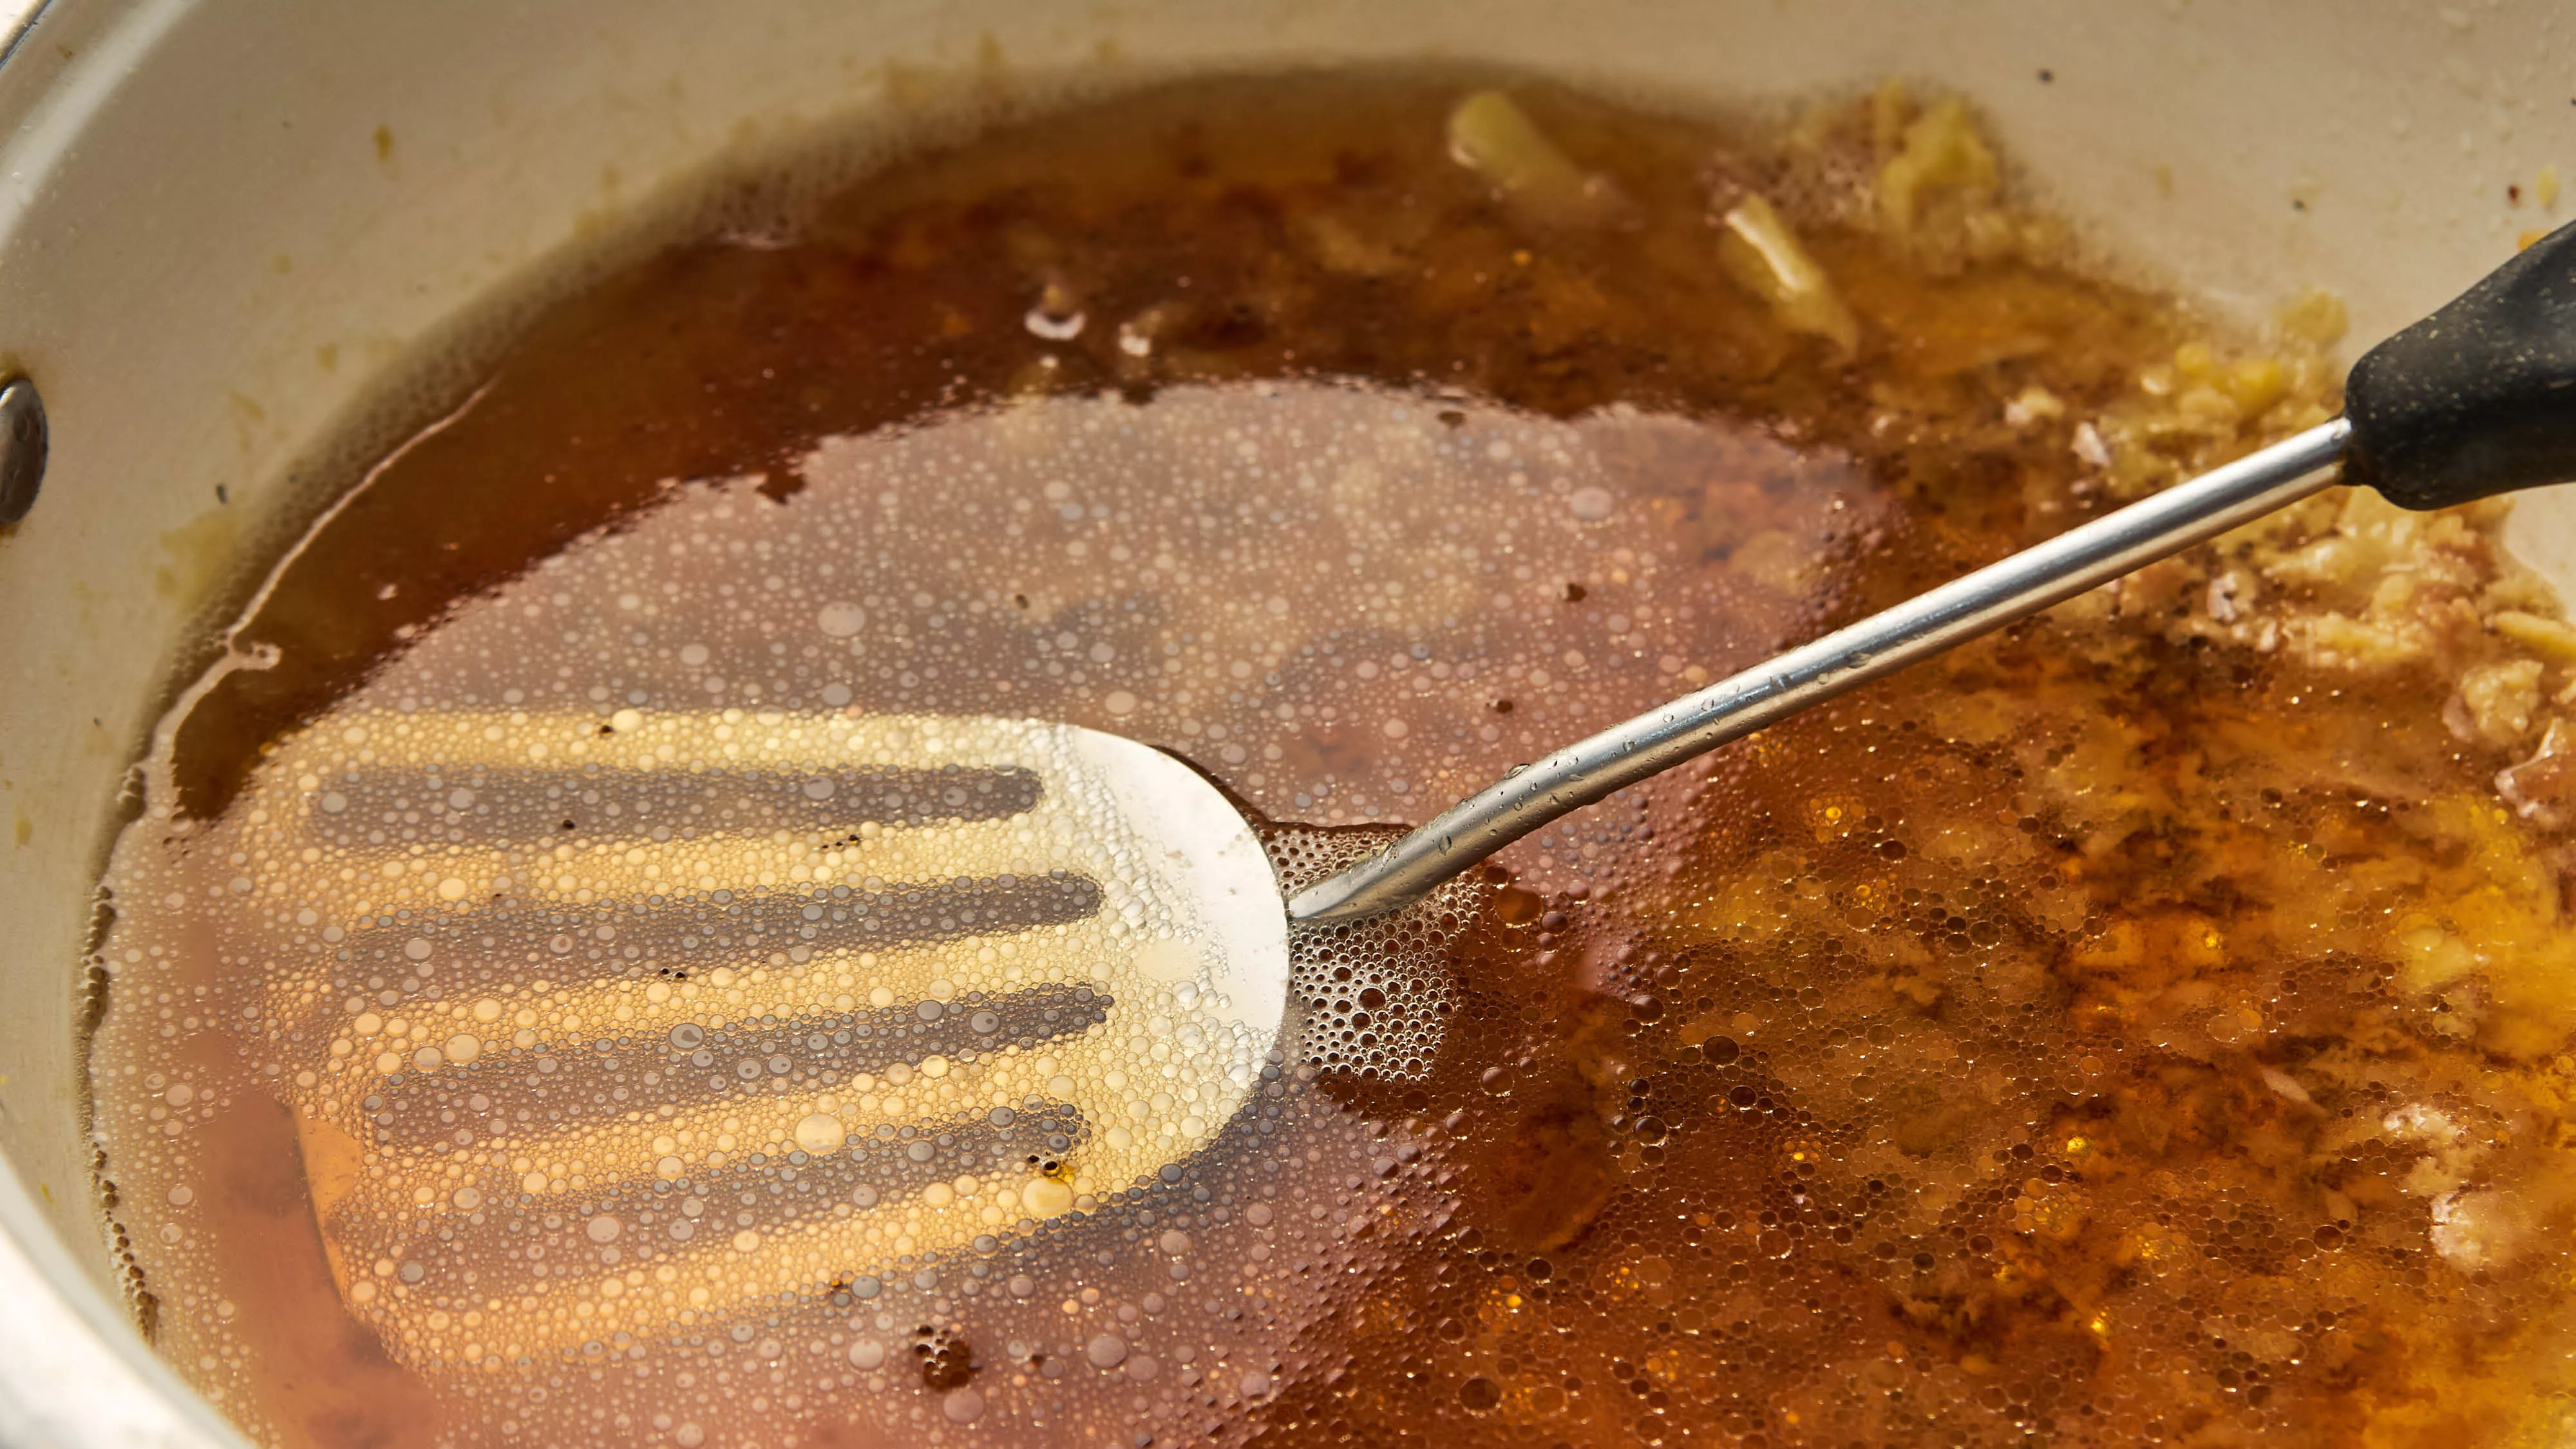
(224, 225)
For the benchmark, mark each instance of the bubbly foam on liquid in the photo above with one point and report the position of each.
(648, 1001)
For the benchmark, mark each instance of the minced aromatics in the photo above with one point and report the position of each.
(621, 948)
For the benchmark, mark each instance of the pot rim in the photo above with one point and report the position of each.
(73, 1372)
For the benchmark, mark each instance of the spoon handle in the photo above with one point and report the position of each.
(2480, 397)
(1977, 603)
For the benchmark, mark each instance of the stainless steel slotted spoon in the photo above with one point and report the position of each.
(960, 974)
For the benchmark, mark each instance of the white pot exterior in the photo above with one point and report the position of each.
(220, 220)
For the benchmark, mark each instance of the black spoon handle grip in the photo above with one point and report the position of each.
(2478, 398)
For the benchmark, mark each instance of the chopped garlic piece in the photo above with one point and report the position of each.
(2540, 788)
(1492, 136)
(1764, 255)
(2035, 404)
(1942, 153)
(2496, 702)
(2316, 318)
(2472, 1230)
(2551, 638)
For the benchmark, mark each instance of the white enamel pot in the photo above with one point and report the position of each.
(224, 224)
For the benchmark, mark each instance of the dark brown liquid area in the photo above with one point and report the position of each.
(2136, 1028)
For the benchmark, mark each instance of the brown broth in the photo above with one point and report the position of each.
(2144, 1026)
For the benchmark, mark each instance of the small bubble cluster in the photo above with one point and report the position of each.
(1367, 1006)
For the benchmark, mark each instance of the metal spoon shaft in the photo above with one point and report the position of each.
(1928, 624)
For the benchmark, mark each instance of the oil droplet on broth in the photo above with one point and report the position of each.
(635, 1008)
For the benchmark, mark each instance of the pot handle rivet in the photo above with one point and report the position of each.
(23, 444)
